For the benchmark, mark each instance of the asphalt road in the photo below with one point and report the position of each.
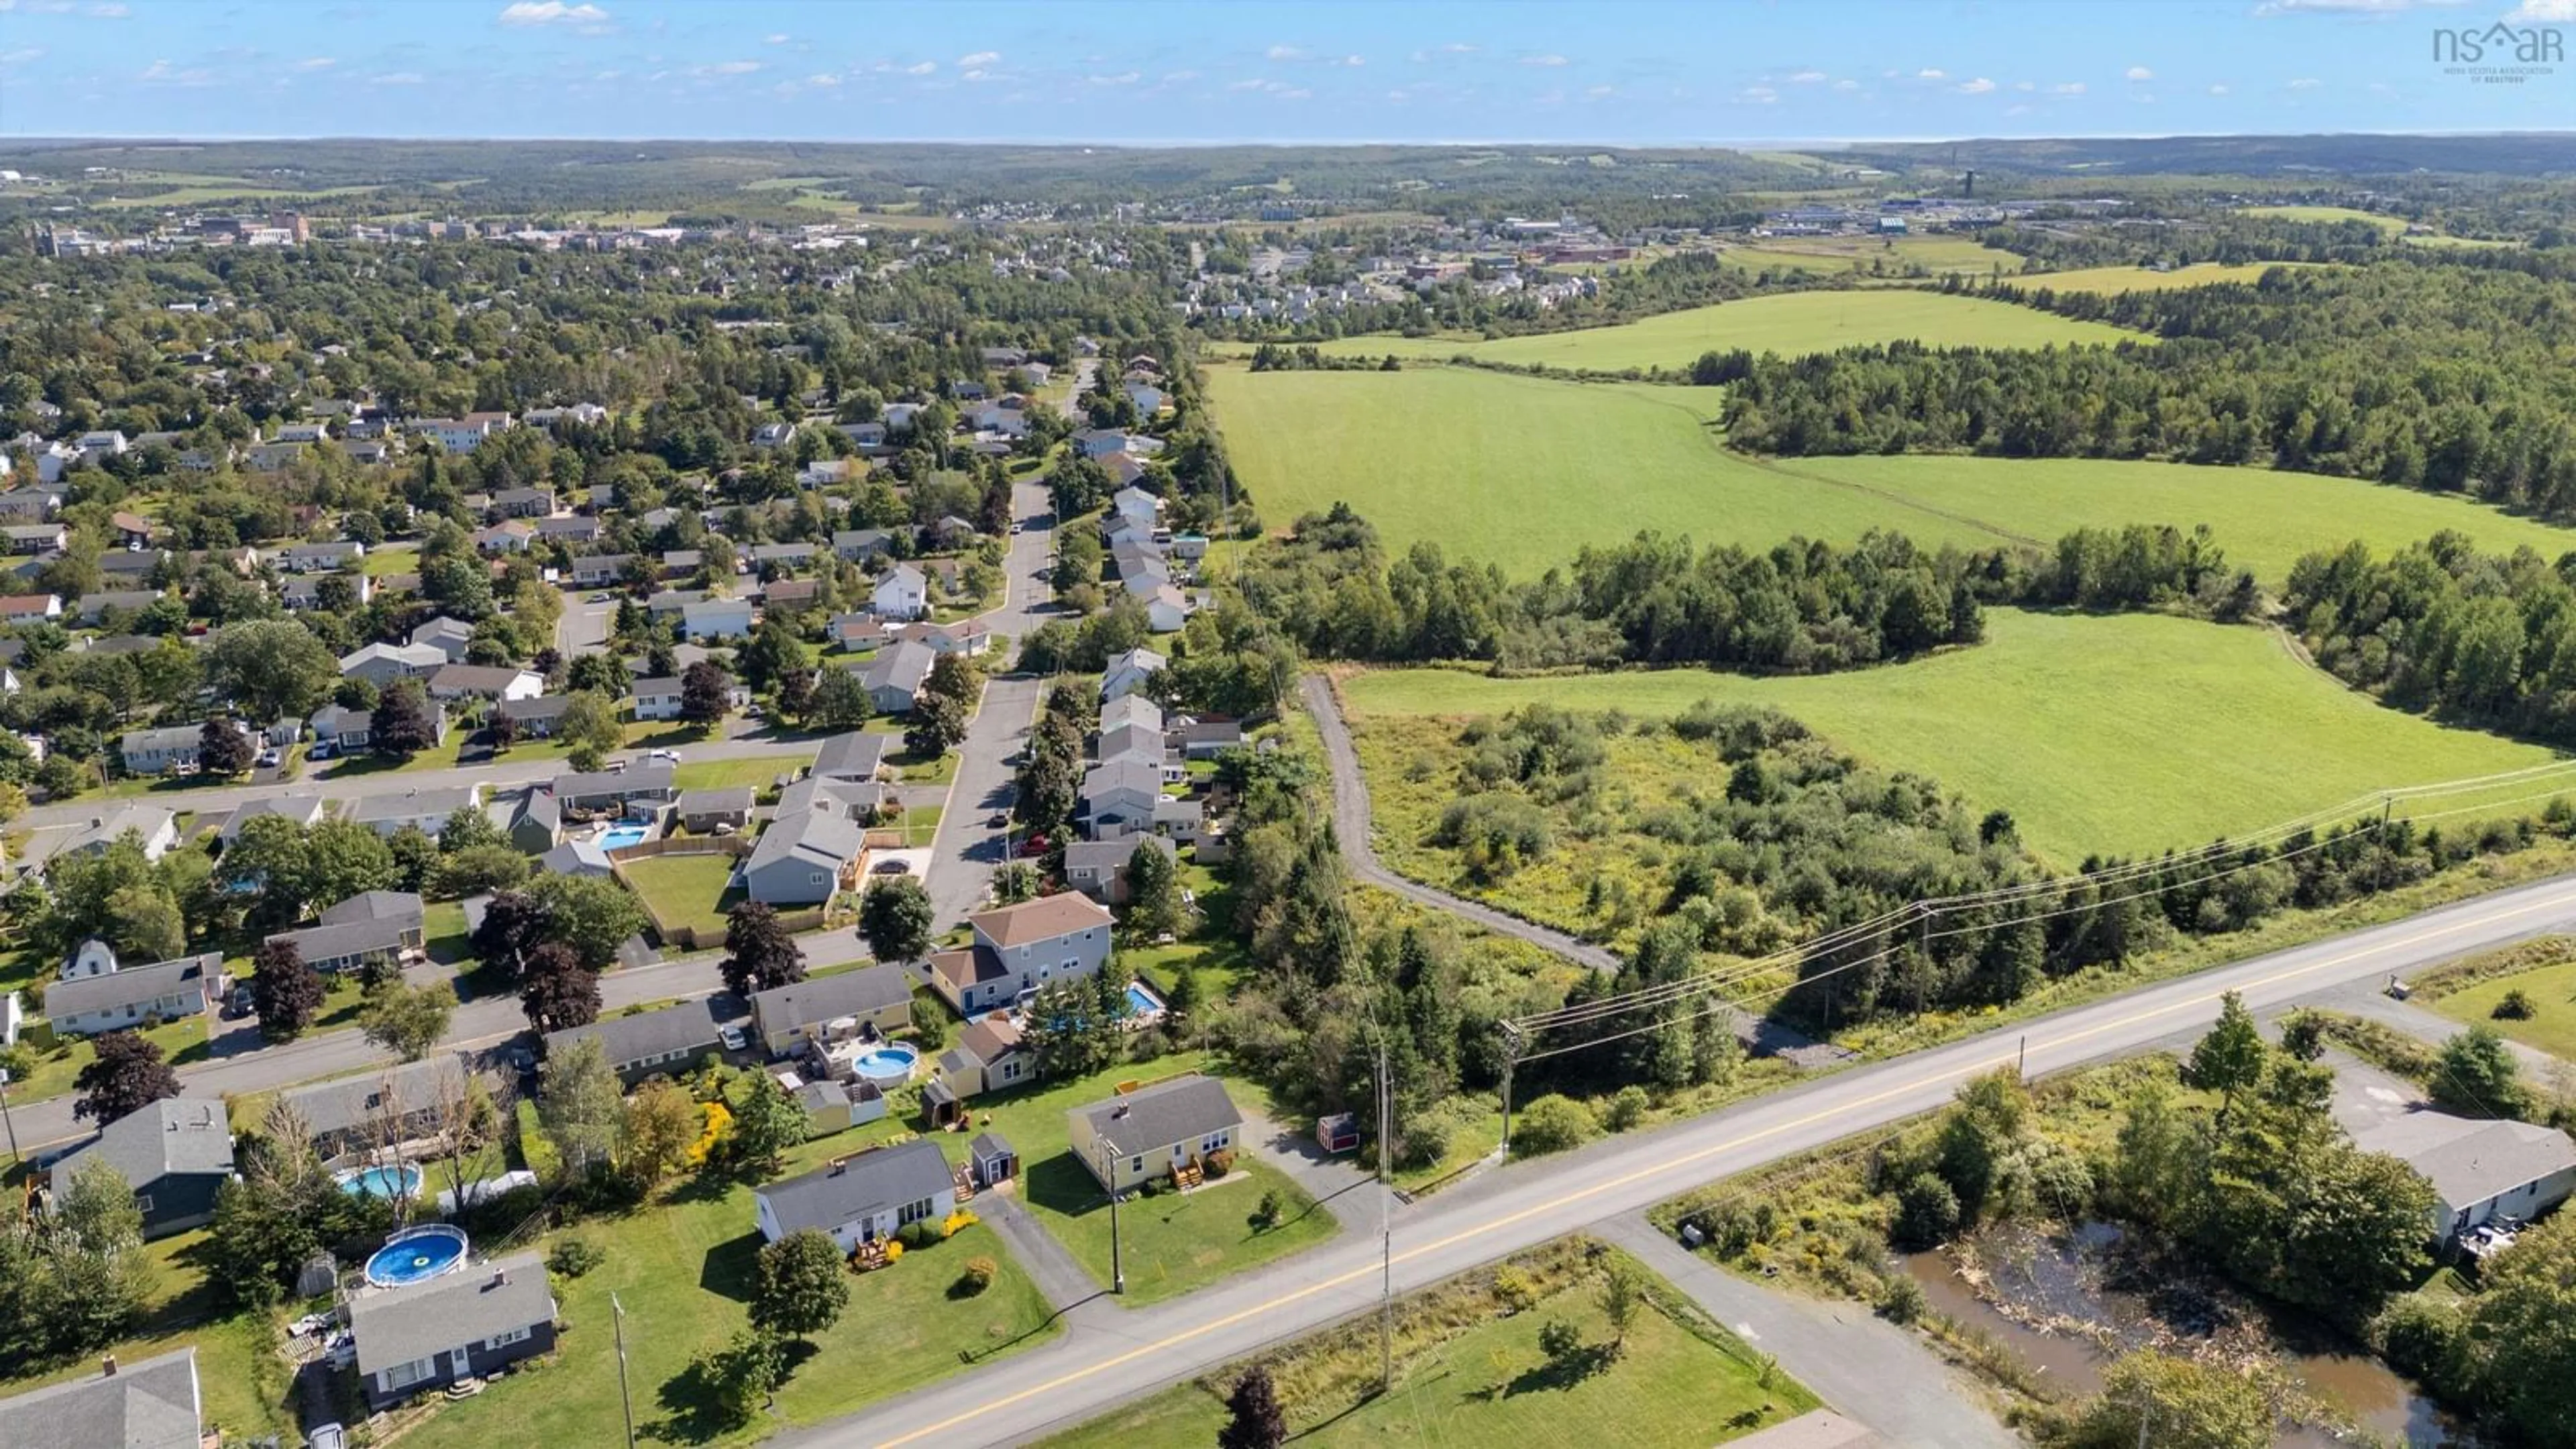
(1093, 1368)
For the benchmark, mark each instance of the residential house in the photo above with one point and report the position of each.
(500, 538)
(990, 1056)
(140, 1405)
(581, 857)
(28, 608)
(382, 664)
(1130, 711)
(485, 681)
(1205, 739)
(657, 698)
(115, 1000)
(312, 591)
(874, 997)
(896, 675)
(398, 1103)
(523, 503)
(832, 1105)
(856, 631)
(904, 593)
(858, 545)
(468, 1324)
(308, 558)
(1118, 798)
(427, 809)
(679, 561)
(1137, 508)
(801, 860)
(1017, 949)
(864, 1198)
(451, 637)
(787, 596)
(856, 755)
(460, 435)
(95, 447)
(170, 749)
(536, 718)
(1098, 868)
(338, 729)
(1154, 1131)
(773, 435)
(783, 555)
(1180, 821)
(587, 414)
(829, 472)
(600, 570)
(1129, 672)
(868, 437)
(35, 538)
(701, 811)
(535, 821)
(602, 790)
(664, 1042)
(862, 801)
(1148, 399)
(2480, 1170)
(302, 809)
(362, 933)
(156, 828)
(577, 531)
(174, 1153)
(1140, 743)
(716, 619)
(966, 637)
(1167, 609)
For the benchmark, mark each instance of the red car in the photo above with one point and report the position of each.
(1035, 845)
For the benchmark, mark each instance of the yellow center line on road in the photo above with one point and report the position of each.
(1677, 1164)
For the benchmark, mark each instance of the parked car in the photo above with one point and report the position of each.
(998, 820)
(271, 758)
(1035, 845)
(732, 1037)
(893, 866)
(671, 756)
(242, 1002)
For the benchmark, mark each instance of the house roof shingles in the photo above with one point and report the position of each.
(1042, 919)
(1165, 1113)
(869, 1183)
(396, 1326)
(852, 993)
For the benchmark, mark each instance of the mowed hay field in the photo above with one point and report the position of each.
(2389, 224)
(2109, 280)
(1789, 323)
(2125, 733)
(1523, 471)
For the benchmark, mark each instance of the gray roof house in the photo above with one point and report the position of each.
(701, 811)
(862, 1198)
(153, 1404)
(174, 1154)
(427, 809)
(1149, 1132)
(400, 908)
(468, 1324)
(135, 995)
(397, 1103)
(448, 636)
(605, 789)
(894, 676)
(879, 996)
(1098, 868)
(161, 751)
(302, 809)
(2480, 1170)
(801, 860)
(1118, 798)
(667, 1041)
(857, 755)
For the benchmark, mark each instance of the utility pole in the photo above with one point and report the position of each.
(1922, 954)
(2021, 1065)
(1385, 1228)
(1109, 1175)
(1511, 1058)
(625, 1400)
(5, 1117)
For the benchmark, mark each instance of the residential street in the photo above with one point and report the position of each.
(1522, 1204)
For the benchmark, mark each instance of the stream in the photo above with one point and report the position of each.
(2082, 1293)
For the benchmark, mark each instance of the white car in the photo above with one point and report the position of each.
(668, 756)
(732, 1037)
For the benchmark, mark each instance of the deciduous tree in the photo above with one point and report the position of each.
(125, 1075)
(556, 990)
(895, 915)
(284, 991)
(803, 1287)
(404, 1019)
(222, 749)
(760, 953)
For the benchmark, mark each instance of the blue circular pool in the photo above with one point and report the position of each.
(416, 1255)
(888, 1064)
(400, 1180)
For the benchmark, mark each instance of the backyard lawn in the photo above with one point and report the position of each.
(2552, 1025)
(682, 890)
(720, 774)
(683, 1270)
(1171, 1243)
(2128, 734)
(1489, 1384)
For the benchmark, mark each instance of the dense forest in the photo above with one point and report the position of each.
(2453, 378)
(1801, 607)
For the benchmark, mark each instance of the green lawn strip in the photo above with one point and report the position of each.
(392, 558)
(683, 1270)
(1171, 1243)
(2111, 280)
(721, 774)
(443, 929)
(1788, 323)
(1470, 1372)
(682, 890)
(2552, 991)
(241, 1377)
(2391, 225)
(181, 1043)
(920, 825)
(2128, 733)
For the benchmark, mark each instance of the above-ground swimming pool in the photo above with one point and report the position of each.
(399, 1180)
(618, 837)
(887, 1064)
(416, 1255)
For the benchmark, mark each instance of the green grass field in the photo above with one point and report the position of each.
(2148, 279)
(2125, 733)
(1789, 323)
(756, 772)
(1523, 471)
(2552, 989)
(1827, 256)
(683, 890)
(1488, 1383)
(2389, 224)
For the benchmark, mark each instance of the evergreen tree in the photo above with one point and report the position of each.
(1253, 1419)
(760, 953)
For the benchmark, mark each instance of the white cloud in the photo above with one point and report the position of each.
(1599, 92)
(2306, 83)
(553, 12)
(1806, 77)
(2016, 110)
(1399, 96)
(777, 39)
(399, 78)
(2024, 86)
(1249, 85)
(2068, 88)
(2140, 73)
(1354, 60)
(1550, 60)
(1298, 94)
(978, 60)
(109, 12)
(1931, 75)
(1847, 85)
(20, 57)
(2544, 12)
(1283, 52)
(1178, 76)
(1760, 95)
(1123, 78)
(924, 67)
(2218, 90)
(318, 62)
(825, 79)
(1977, 87)
(161, 72)
(1460, 47)
(728, 67)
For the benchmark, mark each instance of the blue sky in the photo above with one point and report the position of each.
(1234, 70)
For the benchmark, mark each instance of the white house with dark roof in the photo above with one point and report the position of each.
(120, 998)
(857, 755)
(303, 809)
(1129, 672)
(716, 619)
(156, 828)
(863, 1198)
(382, 664)
(484, 681)
(1152, 1132)
(873, 996)
(904, 593)
(2480, 1170)
(387, 814)
(451, 637)
(470, 1323)
(893, 679)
